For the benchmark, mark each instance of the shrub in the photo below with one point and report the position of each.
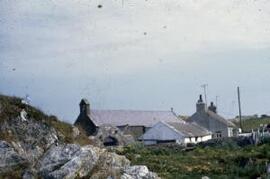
(212, 161)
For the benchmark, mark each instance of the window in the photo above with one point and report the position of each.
(218, 134)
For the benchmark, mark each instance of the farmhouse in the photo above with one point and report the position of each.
(175, 132)
(209, 119)
(129, 121)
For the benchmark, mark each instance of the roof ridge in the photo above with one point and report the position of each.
(211, 112)
(190, 126)
(133, 110)
(131, 117)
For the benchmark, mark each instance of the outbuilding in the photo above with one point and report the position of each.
(175, 132)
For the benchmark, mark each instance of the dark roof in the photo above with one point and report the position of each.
(131, 117)
(207, 116)
(190, 129)
(220, 118)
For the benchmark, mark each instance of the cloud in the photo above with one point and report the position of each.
(168, 45)
(130, 35)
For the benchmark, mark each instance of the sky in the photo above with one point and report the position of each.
(136, 54)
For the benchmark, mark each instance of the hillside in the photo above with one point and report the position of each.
(10, 108)
(252, 123)
(37, 145)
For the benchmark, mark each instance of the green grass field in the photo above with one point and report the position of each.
(253, 123)
(229, 161)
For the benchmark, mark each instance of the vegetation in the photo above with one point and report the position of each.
(10, 108)
(230, 161)
(252, 123)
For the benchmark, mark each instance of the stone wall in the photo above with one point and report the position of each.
(135, 131)
(85, 123)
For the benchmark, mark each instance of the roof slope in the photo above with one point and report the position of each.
(220, 118)
(173, 131)
(206, 116)
(189, 129)
(162, 131)
(131, 117)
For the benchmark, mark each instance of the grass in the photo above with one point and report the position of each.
(252, 123)
(10, 108)
(214, 162)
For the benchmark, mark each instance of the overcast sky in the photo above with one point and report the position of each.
(136, 54)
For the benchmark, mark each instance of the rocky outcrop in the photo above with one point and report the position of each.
(138, 172)
(40, 146)
(109, 165)
(29, 138)
(9, 158)
(72, 161)
(68, 161)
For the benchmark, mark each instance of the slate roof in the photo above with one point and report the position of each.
(180, 130)
(220, 118)
(190, 129)
(207, 116)
(131, 117)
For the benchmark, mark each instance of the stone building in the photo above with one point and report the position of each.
(128, 121)
(209, 119)
(84, 121)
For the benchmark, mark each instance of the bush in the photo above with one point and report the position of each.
(231, 161)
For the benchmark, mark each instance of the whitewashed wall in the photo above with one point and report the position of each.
(161, 131)
(199, 139)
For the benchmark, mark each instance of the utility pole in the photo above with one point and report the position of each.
(204, 86)
(239, 105)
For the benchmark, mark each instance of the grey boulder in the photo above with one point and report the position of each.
(138, 172)
(68, 161)
(9, 158)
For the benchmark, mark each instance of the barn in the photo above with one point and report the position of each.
(131, 122)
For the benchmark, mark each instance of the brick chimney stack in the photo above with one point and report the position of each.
(84, 107)
(200, 106)
(212, 108)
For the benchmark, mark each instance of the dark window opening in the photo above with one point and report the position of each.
(110, 141)
(166, 141)
(218, 134)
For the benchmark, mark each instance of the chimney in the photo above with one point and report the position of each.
(200, 106)
(84, 107)
(172, 111)
(212, 108)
